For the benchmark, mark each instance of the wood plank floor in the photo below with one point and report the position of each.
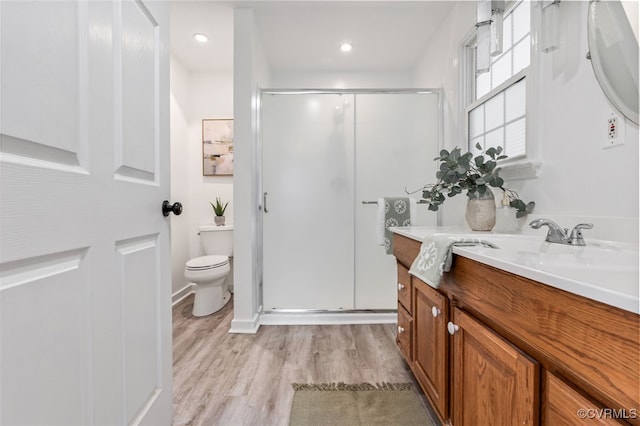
(238, 379)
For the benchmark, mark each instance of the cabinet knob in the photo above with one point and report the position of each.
(435, 311)
(452, 328)
(400, 286)
(400, 330)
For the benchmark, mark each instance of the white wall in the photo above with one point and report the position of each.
(439, 67)
(578, 177)
(195, 96)
(251, 72)
(352, 80)
(210, 96)
(179, 123)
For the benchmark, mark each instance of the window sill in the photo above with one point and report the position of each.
(520, 170)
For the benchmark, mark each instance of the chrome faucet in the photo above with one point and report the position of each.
(559, 235)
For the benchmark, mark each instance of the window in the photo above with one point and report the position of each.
(496, 100)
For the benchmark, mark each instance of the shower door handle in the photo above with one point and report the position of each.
(264, 202)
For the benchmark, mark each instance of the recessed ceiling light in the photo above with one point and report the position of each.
(202, 38)
(346, 47)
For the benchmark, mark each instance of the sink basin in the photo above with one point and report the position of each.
(598, 267)
(602, 270)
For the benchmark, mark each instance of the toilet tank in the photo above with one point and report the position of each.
(217, 239)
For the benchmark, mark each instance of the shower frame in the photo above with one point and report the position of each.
(319, 316)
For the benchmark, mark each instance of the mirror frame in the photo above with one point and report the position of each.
(614, 62)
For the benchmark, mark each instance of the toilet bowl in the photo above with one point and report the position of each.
(212, 274)
(208, 273)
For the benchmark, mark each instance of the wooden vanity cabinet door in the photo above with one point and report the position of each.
(405, 328)
(494, 383)
(430, 344)
(562, 406)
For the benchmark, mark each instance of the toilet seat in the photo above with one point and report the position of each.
(204, 263)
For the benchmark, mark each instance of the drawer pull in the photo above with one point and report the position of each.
(452, 328)
(400, 287)
(400, 330)
(435, 312)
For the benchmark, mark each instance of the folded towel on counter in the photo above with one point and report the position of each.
(436, 254)
(394, 211)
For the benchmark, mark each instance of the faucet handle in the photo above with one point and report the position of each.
(576, 238)
(583, 226)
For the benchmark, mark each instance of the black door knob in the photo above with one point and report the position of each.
(167, 208)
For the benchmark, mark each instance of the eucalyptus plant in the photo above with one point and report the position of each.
(463, 172)
(218, 208)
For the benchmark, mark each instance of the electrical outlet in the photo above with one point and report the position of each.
(613, 127)
(615, 131)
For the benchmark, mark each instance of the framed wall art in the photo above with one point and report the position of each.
(217, 147)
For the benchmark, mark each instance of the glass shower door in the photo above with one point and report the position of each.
(308, 219)
(396, 141)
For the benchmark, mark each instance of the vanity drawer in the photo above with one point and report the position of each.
(404, 287)
(405, 328)
(405, 249)
(563, 405)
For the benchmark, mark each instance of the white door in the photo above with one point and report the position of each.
(307, 161)
(85, 326)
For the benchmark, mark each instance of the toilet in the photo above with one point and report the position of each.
(211, 273)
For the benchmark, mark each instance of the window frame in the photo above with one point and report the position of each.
(527, 165)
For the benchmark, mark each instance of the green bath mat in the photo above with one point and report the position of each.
(357, 404)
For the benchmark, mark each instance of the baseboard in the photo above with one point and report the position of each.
(245, 326)
(328, 318)
(182, 293)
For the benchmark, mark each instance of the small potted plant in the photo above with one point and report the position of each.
(218, 210)
(463, 172)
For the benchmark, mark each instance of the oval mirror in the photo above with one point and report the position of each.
(614, 55)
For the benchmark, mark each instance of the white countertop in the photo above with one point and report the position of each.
(602, 270)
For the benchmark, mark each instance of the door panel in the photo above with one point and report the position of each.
(50, 76)
(396, 140)
(308, 218)
(136, 149)
(137, 261)
(30, 295)
(85, 331)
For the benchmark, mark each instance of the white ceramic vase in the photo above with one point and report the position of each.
(481, 211)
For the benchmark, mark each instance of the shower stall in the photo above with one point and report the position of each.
(327, 157)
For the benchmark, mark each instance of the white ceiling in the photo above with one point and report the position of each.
(306, 35)
(211, 18)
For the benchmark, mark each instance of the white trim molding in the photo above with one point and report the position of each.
(179, 295)
(327, 318)
(519, 170)
(245, 326)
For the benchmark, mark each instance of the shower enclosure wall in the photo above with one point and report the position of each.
(323, 154)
